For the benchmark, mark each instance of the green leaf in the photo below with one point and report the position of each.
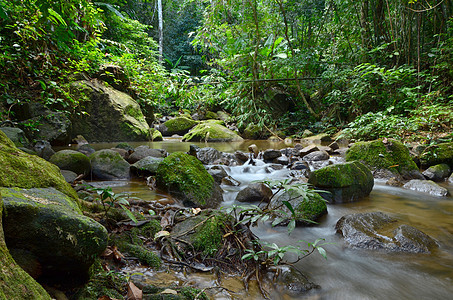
(322, 252)
(56, 16)
(289, 206)
(129, 213)
(291, 226)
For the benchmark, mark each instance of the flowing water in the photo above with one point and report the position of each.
(347, 273)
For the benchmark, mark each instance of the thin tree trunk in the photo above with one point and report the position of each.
(161, 30)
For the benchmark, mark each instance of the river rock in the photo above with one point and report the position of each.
(316, 156)
(86, 149)
(290, 281)
(309, 149)
(111, 115)
(241, 156)
(156, 135)
(208, 155)
(218, 173)
(317, 139)
(345, 182)
(69, 244)
(72, 160)
(271, 154)
(15, 283)
(109, 165)
(254, 149)
(255, 132)
(143, 151)
(20, 169)
(437, 172)
(437, 154)
(450, 179)
(52, 126)
(426, 186)
(255, 192)
(43, 149)
(16, 135)
(230, 181)
(308, 208)
(178, 125)
(282, 160)
(378, 231)
(186, 179)
(387, 154)
(69, 176)
(211, 131)
(146, 166)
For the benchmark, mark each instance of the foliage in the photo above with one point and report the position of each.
(110, 199)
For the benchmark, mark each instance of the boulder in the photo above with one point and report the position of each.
(218, 173)
(43, 149)
(15, 283)
(290, 281)
(70, 242)
(230, 181)
(426, 186)
(86, 149)
(16, 135)
(156, 135)
(208, 155)
(115, 76)
(317, 139)
(208, 131)
(437, 172)
(316, 156)
(308, 207)
(450, 179)
(111, 115)
(109, 165)
(186, 179)
(385, 154)
(143, 151)
(306, 150)
(253, 149)
(146, 166)
(344, 182)
(179, 126)
(271, 154)
(23, 170)
(71, 160)
(52, 126)
(255, 192)
(437, 154)
(378, 231)
(69, 176)
(254, 132)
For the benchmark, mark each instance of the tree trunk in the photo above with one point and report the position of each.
(161, 30)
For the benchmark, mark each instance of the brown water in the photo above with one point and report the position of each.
(347, 273)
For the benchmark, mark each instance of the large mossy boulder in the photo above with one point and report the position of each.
(111, 115)
(437, 154)
(186, 179)
(343, 182)
(49, 226)
(23, 170)
(72, 160)
(15, 283)
(385, 155)
(179, 125)
(211, 131)
(308, 207)
(437, 172)
(379, 231)
(109, 165)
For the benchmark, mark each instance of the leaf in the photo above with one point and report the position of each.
(129, 213)
(322, 252)
(291, 226)
(56, 16)
(133, 292)
(281, 55)
(289, 206)
(3, 13)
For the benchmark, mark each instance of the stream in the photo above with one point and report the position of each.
(347, 273)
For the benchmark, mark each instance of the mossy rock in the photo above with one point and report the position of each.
(255, 132)
(437, 154)
(179, 125)
(392, 156)
(211, 115)
(109, 165)
(16, 135)
(23, 170)
(146, 166)
(15, 283)
(111, 115)
(69, 241)
(211, 132)
(319, 138)
(343, 182)
(308, 209)
(185, 178)
(204, 232)
(156, 135)
(71, 160)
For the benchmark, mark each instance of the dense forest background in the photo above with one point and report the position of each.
(371, 68)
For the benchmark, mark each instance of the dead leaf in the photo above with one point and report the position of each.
(166, 219)
(196, 211)
(133, 292)
(169, 291)
(161, 233)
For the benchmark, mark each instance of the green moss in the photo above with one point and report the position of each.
(152, 292)
(145, 256)
(179, 125)
(124, 146)
(185, 176)
(20, 169)
(156, 135)
(211, 131)
(72, 160)
(211, 115)
(437, 154)
(15, 283)
(393, 156)
(148, 231)
(135, 112)
(209, 237)
(311, 208)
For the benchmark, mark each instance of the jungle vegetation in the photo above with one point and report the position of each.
(371, 67)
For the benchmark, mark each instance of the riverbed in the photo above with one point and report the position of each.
(347, 273)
